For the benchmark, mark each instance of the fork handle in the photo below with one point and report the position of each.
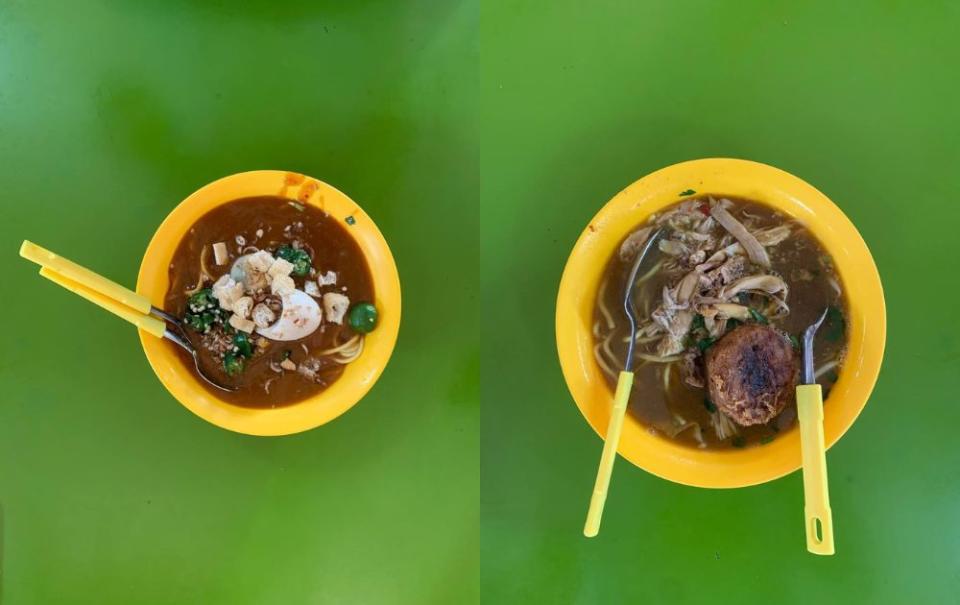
(84, 276)
(816, 511)
(611, 440)
(144, 322)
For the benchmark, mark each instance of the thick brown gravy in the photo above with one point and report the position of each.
(813, 285)
(267, 223)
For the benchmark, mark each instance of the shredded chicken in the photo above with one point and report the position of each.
(633, 244)
(681, 425)
(771, 284)
(749, 242)
(693, 370)
(710, 271)
(722, 425)
(712, 259)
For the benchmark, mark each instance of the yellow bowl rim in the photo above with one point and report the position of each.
(358, 377)
(734, 177)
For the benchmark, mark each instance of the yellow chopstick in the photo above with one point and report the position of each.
(144, 322)
(84, 276)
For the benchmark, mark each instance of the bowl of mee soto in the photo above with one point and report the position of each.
(286, 290)
(745, 257)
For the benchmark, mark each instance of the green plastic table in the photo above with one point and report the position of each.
(582, 98)
(110, 491)
(481, 139)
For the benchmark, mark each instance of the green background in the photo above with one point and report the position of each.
(481, 139)
(582, 98)
(112, 112)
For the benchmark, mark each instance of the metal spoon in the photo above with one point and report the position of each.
(817, 514)
(113, 297)
(181, 340)
(624, 383)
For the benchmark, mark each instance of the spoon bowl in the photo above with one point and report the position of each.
(181, 341)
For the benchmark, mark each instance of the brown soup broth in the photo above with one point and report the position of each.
(813, 285)
(279, 222)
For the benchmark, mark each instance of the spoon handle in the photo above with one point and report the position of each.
(611, 441)
(817, 514)
(144, 322)
(84, 276)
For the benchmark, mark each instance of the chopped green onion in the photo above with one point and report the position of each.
(203, 310)
(738, 441)
(709, 405)
(202, 299)
(242, 342)
(766, 439)
(687, 192)
(232, 364)
(299, 258)
(706, 343)
(758, 316)
(200, 321)
(194, 322)
(795, 342)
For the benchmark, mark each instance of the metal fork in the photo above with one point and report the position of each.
(620, 398)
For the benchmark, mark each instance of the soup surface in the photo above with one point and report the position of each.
(700, 281)
(276, 298)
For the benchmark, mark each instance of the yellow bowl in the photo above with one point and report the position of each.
(631, 207)
(358, 376)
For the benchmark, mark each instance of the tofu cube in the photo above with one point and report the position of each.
(260, 261)
(335, 306)
(243, 306)
(220, 254)
(221, 283)
(327, 279)
(280, 267)
(244, 325)
(282, 284)
(256, 281)
(227, 292)
(310, 287)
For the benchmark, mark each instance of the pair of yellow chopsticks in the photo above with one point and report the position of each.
(109, 295)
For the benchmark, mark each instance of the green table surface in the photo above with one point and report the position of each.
(111, 492)
(481, 137)
(582, 98)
